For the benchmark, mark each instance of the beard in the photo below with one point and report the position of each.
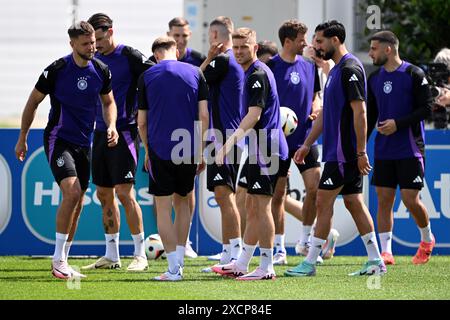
(87, 57)
(380, 61)
(328, 54)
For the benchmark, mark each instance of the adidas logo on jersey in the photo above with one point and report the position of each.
(218, 177)
(256, 186)
(46, 73)
(418, 179)
(129, 175)
(243, 180)
(213, 63)
(256, 85)
(328, 182)
(424, 82)
(353, 78)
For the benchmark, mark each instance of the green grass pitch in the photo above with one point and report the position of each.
(30, 278)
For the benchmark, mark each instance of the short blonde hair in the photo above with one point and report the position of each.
(245, 33)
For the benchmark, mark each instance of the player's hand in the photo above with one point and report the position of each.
(300, 154)
(113, 136)
(214, 50)
(387, 127)
(444, 99)
(364, 165)
(313, 116)
(21, 149)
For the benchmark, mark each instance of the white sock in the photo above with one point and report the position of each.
(425, 233)
(180, 250)
(266, 259)
(172, 259)
(235, 248)
(246, 255)
(112, 246)
(306, 235)
(139, 248)
(370, 241)
(315, 249)
(60, 244)
(279, 243)
(386, 241)
(226, 254)
(67, 249)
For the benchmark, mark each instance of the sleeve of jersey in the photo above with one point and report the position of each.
(142, 94)
(202, 87)
(372, 108)
(107, 86)
(422, 100)
(46, 81)
(257, 89)
(316, 80)
(353, 83)
(216, 70)
(138, 62)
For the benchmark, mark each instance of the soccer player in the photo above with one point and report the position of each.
(225, 78)
(74, 83)
(114, 169)
(297, 84)
(172, 96)
(344, 125)
(265, 153)
(399, 101)
(266, 50)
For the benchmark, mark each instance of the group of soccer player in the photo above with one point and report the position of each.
(214, 106)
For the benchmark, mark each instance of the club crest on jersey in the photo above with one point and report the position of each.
(387, 88)
(60, 162)
(82, 83)
(295, 78)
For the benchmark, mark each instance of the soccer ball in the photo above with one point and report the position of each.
(154, 248)
(289, 120)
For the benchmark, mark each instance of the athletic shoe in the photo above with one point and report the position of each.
(304, 269)
(330, 246)
(61, 270)
(301, 248)
(76, 274)
(388, 258)
(103, 263)
(207, 270)
(258, 274)
(189, 252)
(280, 259)
(138, 264)
(372, 267)
(168, 276)
(215, 257)
(424, 252)
(230, 269)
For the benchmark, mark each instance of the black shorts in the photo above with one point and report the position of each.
(311, 161)
(337, 174)
(259, 181)
(67, 160)
(224, 175)
(407, 173)
(167, 178)
(242, 181)
(115, 165)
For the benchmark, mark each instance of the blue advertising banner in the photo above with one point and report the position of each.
(29, 198)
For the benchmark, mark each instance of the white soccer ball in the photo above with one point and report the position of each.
(154, 248)
(289, 120)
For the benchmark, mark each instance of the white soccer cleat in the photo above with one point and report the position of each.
(103, 263)
(301, 248)
(189, 251)
(215, 257)
(61, 270)
(230, 269)
(76, 274)
(168, 276)
(138, 264)
(330, 246)
(258, 274)
(280, 259)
